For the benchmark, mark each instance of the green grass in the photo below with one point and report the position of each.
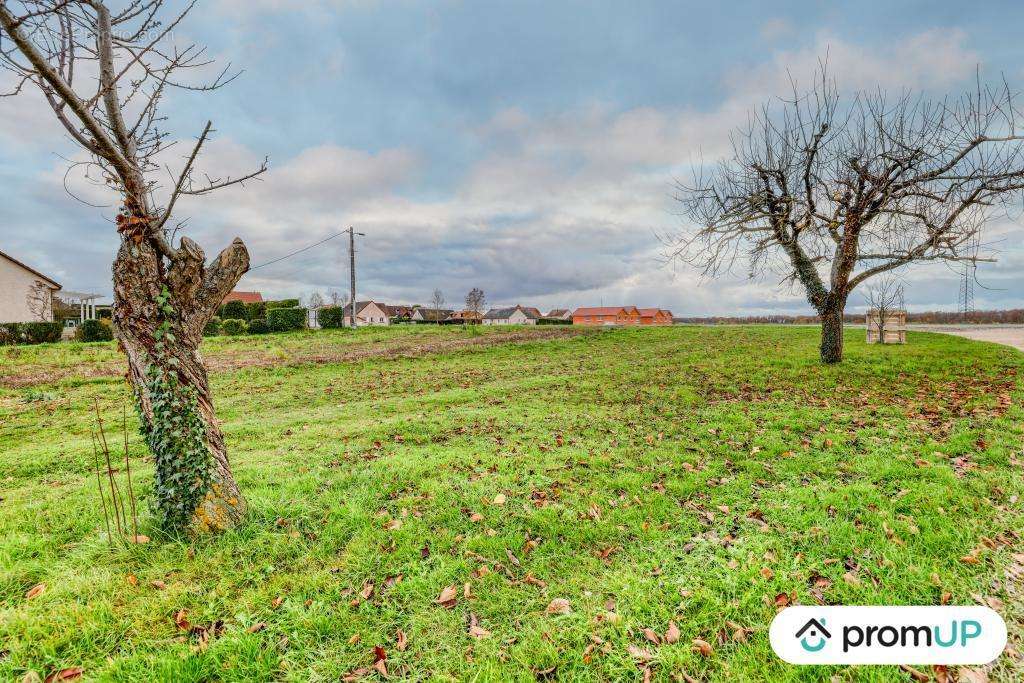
(636, 467)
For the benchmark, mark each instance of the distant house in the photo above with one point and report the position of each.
(26, 295)
(559, 314)
(606, 315)
(368, 313)
(398, 312)
(514, 315)
(655, 316)
(621, 315)
(244, 297)
(466, 317)
(431, 315)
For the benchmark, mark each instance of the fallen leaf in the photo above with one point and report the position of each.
(767, 572)
(558, 606)
(639, 653)
(276, 602)
(367, 590)
(499, 499)
(401, 641)
(158, 584)
(257, 627)
(851, 578)
(703, 647)
(132, 580)
(672, 634)
(476, 517)
(35, 591)
(181, 619)
(973, 675)
(140, 539)
(379, 657)
(478, 632)
(69, 674)
(650, 635)
(448, 597)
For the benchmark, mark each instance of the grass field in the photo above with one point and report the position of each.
(574, 490)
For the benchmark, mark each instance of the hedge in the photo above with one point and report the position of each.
(553, 321)
(258, 326)
(234, 326)
(30, 333)
(10, 333)
(285, 319)
(331, 317)
(283, 303)
(212, 328)
(94, 331)
(255, 310)
(233, 310)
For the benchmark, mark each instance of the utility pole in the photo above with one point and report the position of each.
(352, 271)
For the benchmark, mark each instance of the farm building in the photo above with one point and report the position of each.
(559, 314)
(513, 315)
(655, 316)
(26, 295)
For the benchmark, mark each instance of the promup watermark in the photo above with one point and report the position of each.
(888, 635)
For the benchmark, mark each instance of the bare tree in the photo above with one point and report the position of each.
(316, 301)
(438, 300)
(835, 194)
(104, 75)
(39, 299)
(884, 297)
(476, 301)
(337, 298)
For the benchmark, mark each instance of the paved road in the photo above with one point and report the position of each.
(1011, 335)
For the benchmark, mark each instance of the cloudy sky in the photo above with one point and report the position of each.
(528, 148)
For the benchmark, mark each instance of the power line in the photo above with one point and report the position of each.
(295, 253)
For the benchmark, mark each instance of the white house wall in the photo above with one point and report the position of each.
(15, 284)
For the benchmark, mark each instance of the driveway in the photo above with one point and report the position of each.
(1010, 335)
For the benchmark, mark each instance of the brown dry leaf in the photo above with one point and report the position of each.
(650, 635)
(971, 558)
(558, 606)
(393, 525)
(354, 639)
(139, 539)
(132, 580)
(672, 634)
(72, 673)
(401, 641)
(158, 584)
(639, 653)
(499, 499)
(851, 578)
(534, 581)
(476, 517)
(781, 600)
(31, 677)
(478, 632)
(367, 590)
(35, 591)
(379, 657)
(973, 675)
(276, 602)
(448, 597)
(767, 572)
(703, 647)
(740, 635)
(257, 627)
(181, 619)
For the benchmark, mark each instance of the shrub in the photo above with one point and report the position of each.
(285, 319)
(553, 321)
(41, 332)
(255, 310)
(234, 310)
(234, 327)
(283, 303)
(331, 317)
(258, 326)
(10, 333)
(212, 328)
(94, 331)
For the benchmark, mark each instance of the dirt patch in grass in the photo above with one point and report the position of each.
(227, 361)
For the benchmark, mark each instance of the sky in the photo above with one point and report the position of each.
(527, 148)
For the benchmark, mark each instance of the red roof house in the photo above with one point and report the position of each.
(244, 297)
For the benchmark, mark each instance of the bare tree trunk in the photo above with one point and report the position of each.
(159, 315)
(832, 334)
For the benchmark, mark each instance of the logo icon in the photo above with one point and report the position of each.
(816, 633)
